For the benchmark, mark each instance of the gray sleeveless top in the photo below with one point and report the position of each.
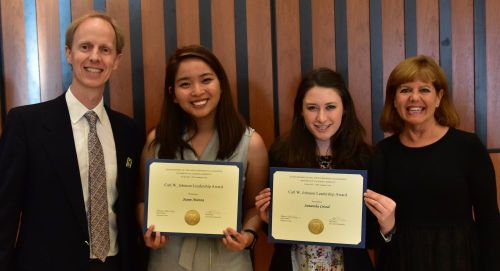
(193, 253)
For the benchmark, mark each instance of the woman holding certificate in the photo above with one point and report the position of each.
(325, 134)
(199, 123)
(442, 178)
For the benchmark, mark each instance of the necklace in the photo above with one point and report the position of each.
(324, 161)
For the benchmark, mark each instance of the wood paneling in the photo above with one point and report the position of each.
(14, 54)
(188, 23)
(260, 68)
(260, 80)
(323, 33)
(287, 52)
(121, 79)
(428, 28)
(493, 75)
(288, 58)
(49, 49)
(358, 40)
(393, 35)
(153, 51)
(462, 86)
(223, 40)
(80, 7)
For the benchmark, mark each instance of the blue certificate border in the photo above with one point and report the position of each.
(363, 173)
(240, 193)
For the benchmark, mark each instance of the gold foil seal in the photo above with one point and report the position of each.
(192, 217)
(316, 226)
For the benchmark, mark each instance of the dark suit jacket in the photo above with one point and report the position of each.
(40, 190)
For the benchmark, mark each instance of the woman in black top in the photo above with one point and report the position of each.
(437, 174)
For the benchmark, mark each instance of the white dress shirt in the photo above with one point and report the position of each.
(105, 133)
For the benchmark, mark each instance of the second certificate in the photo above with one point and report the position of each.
(318, 206)
(192, 197)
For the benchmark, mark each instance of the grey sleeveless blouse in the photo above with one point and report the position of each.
(193, 253)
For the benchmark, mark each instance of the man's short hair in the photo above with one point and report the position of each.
(70, 32)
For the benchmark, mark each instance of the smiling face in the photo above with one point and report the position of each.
(197, 89)
(416, 103)
(322, 110)
(93, 55)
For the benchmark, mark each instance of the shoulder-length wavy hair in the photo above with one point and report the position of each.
(174, 121)
(425, 69)
(347, 145)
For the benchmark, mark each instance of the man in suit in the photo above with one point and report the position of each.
(48, 193)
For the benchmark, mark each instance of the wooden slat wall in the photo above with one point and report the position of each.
(121, 79)
(188, 24)
(427, 28)
(80, 7)
(323, 33)
(287, 58)
(260, 88)
(358, 42)
(393, 42)
(14, 54)
(286, 45)
(260, 68)
(463, 56)
(153, 51)
(49, 49)
(493, 74)
(267, 66)
(223, 39)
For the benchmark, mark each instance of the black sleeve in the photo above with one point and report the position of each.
(13, 172)
(376, 177)
(371, 220)
(482, 185)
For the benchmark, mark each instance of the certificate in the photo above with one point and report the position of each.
(193, 197)
(318, 206)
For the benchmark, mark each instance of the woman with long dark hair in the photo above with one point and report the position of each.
(326, 133)
(199, 122)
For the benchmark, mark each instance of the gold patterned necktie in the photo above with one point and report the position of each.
(98, 200)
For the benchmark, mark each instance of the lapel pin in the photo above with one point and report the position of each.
(129, 162)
